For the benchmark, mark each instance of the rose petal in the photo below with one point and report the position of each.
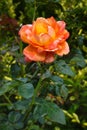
(53, 23)
(49, 57)
(63, 49)
(25, 33)
(61, 25)
(65, 34)
(45, 40)
(41, 41)
(40, 26)
(27, 59)
(51, 32)
(32, 54)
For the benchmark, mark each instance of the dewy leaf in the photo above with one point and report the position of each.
(51, 110)
(26, 90)
(63, 68)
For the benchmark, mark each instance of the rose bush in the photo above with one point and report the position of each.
(45, 37)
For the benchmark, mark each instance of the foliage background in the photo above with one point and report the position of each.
(65, 74)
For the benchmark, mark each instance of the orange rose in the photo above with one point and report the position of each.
(45, 37)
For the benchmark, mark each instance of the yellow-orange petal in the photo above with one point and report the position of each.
(25, 33)
(40, 26)
(41, 41)
(32, 54)
(63, 49)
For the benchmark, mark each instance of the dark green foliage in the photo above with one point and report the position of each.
(49, 111)
(63, 84)
(26, 90)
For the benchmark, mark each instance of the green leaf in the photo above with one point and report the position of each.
(34, 127)
(47, 74)
(21, 105)
(55, 113)
(23, 80)
(15, 48)
(2, 116)
(18, 125)
(54, 0)
(64, 91)
(7, 87)
(14, 116)
(57, 79)
(80, 40)
(51, 111)
(26, 90)
(6, 126)
(29, 1)
(15, 120)
(79, 60)
(63, 68)
(15, 70)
